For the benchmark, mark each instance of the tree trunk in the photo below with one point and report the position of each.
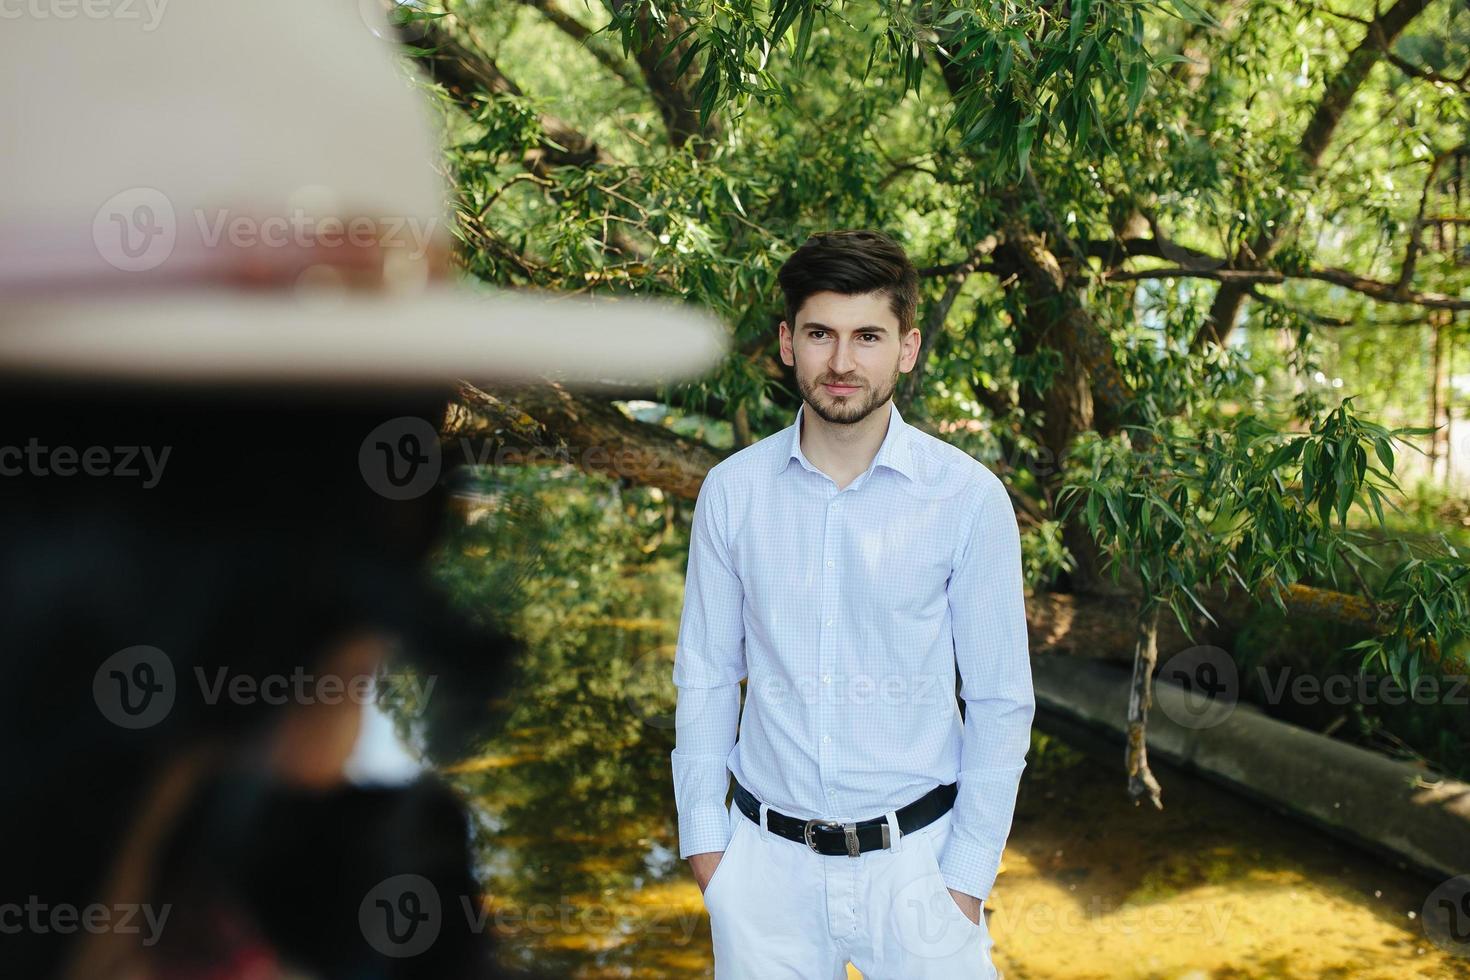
(1441, 323)
(1141, 781)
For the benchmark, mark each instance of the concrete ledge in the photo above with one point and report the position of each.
(1375, 802)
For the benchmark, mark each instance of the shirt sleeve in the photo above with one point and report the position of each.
(988, 612)
(709, 663)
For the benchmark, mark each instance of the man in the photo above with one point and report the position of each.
(845, 565)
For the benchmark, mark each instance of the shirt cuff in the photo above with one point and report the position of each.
(969, 869)
(703, 829)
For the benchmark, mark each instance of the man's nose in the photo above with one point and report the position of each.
(842, 361)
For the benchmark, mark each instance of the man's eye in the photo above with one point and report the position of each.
(871, 336)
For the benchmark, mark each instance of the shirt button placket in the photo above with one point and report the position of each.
(826, 653)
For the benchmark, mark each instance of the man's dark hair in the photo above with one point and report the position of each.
(851, 262)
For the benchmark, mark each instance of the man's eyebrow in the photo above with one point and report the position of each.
(867, 328)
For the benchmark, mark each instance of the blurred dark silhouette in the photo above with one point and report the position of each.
(261, 551)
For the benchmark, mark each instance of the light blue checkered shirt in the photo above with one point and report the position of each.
(848, 611)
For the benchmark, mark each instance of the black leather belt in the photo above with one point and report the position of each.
(849, 838)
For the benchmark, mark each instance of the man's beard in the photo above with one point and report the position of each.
(849, 409)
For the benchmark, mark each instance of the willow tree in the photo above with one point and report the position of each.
(1137, 222)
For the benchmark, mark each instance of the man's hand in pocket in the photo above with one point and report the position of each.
(703, 866)
(969, 904)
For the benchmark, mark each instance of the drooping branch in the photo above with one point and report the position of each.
(937, 313)
(657, 76)
(1337, 96)
(1428, 74)
(1411, 250)
(1098, 395)
(1157, 247)
(584, 36)
(1384, 292)
(468, 75)
(526, 423)
(950, 268)
(529, 423)
(1330, 321)
(670, 89)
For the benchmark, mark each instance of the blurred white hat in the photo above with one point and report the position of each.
(246, 191)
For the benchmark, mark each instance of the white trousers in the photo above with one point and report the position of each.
(780, 911)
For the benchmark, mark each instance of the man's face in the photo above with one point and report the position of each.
(847, 353)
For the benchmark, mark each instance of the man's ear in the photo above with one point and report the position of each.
(783, 332)
(913, 342)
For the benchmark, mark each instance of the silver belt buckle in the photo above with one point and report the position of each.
(849, 833)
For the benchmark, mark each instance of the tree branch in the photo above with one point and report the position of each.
(1337, 96)
(525, 423)
(670, 90)
(937, 313)
(1384, 292)
(583, 35)
(1157, 247)
(1411, 250)
(1428, 74)
(1327, 320)
(466, 73)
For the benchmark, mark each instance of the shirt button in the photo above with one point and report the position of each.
(826, 738)
(829, 563)
(826, 678)
(829, 622)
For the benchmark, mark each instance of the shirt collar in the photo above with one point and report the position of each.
(894, 453)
